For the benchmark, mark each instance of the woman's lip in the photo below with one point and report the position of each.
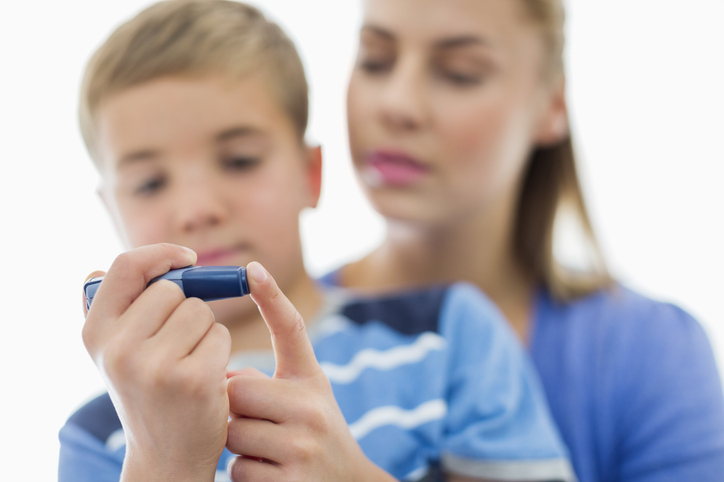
(393, 168)
(217, 256)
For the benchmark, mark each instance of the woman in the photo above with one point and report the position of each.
(459, 135)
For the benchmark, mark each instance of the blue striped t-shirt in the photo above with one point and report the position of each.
(429, 381)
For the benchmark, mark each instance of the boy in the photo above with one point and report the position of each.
(195, 113)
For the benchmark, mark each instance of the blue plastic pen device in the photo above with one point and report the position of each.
(206, 282)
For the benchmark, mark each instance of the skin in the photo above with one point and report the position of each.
(459, 86)
(201, 163)
(214, 165)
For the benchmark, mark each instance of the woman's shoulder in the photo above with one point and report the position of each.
(621, 309)
(623, 335)
(646, 368)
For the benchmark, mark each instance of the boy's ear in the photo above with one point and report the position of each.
(554, 126)
(314, 174)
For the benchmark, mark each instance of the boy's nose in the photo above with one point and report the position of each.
(200, 206)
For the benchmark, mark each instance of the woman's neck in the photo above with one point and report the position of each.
(478, 250)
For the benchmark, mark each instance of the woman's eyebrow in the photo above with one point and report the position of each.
(462, 41)
(441, 44)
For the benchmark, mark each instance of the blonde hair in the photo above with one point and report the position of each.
(551, 187)
(193, 38)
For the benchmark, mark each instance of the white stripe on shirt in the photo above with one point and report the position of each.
(384, 360)
(393, 415)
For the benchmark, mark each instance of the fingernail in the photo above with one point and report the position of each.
(257, 272)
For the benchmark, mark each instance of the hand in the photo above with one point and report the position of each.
(164, 362)
(289, 427)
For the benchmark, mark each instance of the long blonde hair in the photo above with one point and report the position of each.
(551, 187)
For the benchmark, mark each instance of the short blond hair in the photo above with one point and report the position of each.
(193, 38)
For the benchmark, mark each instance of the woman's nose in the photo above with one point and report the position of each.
(403, 101)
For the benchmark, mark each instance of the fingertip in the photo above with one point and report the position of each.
(257, 272)
(193, 257)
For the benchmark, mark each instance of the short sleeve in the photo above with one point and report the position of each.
(498, 425)
(671, 403)
(84, 458)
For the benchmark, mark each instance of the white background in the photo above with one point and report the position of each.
(646, 82)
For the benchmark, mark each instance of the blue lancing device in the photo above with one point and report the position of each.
(206, 282)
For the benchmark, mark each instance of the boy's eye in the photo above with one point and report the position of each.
(375, 66)
(151, 186)
(240, 163)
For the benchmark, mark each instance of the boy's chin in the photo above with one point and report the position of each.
(233, 311)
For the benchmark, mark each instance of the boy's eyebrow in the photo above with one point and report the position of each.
(379, 31)
(241, 131)
(149, 154)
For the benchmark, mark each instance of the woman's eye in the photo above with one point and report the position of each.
(461, 79)
(240, 163)
(151, 186)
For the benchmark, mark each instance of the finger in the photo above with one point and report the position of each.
(151, 310)
(242, 469)
(130, 273)
(214, 348)
(262, 398)
(292, 348)
(257, 438)
(185, 327)
(94, 274)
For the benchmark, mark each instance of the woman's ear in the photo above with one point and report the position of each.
(554, 126)
(314, 174)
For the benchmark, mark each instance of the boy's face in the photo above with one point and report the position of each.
(212, 164)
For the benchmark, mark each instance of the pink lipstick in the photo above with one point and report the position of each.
(394, 168)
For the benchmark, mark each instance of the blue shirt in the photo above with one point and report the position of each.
(426, 379)
(633, 386)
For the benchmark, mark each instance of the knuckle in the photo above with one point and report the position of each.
(167, 248)
(159, 374)
(170, 290)
(297, 325)
(312, 411)
(304, 449)
(197, 308)
(195, 387)
(318, 420)
(122, 261)
(237, 469)
(220, 332)
(116, 361)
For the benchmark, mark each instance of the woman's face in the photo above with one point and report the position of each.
(445, 103)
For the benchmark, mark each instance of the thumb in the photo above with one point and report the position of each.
(292, 348)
